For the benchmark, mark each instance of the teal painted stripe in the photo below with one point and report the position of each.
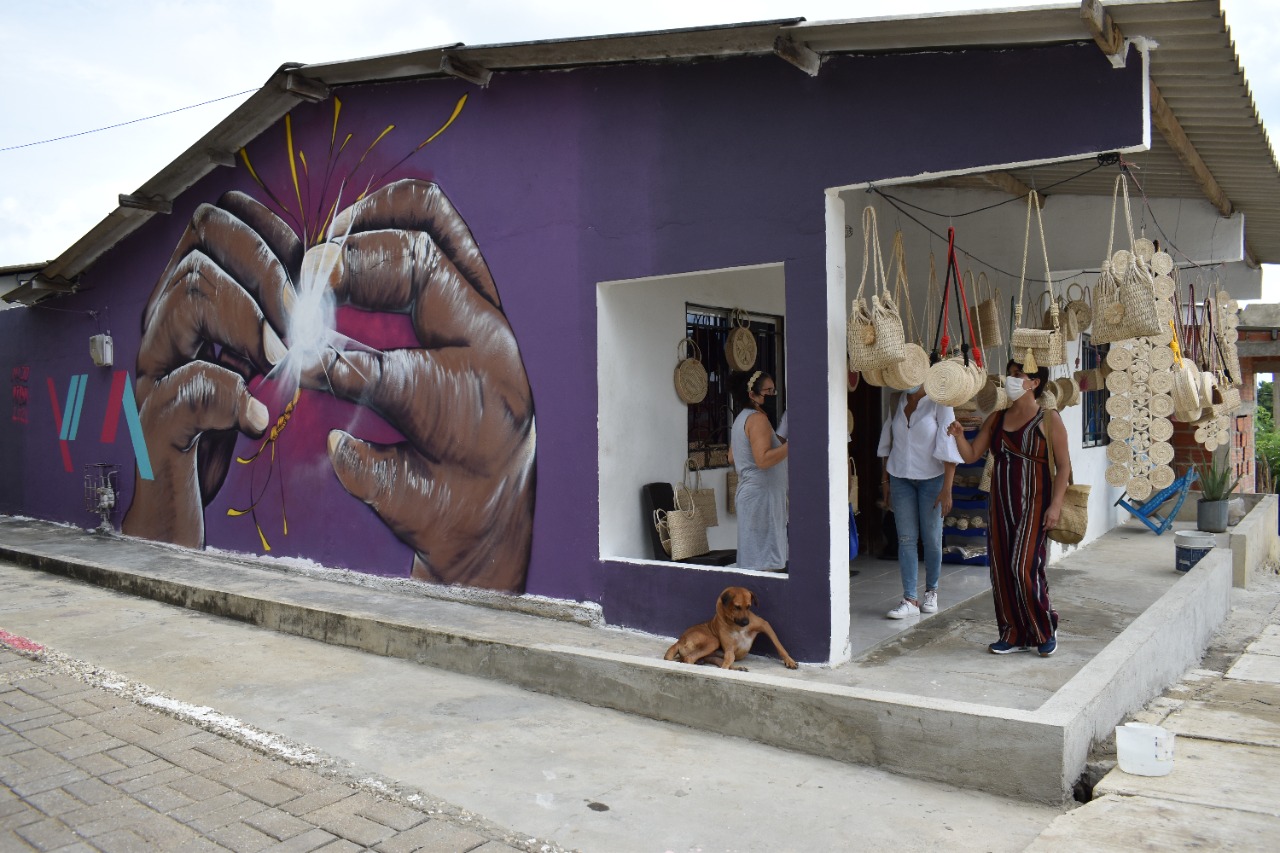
(135, 431)
(75, 418)
(66, 409)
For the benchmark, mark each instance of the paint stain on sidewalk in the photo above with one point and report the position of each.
(22, 644)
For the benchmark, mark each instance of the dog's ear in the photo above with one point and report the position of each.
(726, 598)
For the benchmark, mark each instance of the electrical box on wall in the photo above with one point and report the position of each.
(100, 350)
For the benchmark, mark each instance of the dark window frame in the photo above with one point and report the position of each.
(1093, 404)
(711, 420)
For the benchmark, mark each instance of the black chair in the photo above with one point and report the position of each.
(655, 496)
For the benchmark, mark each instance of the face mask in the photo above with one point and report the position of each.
(770, 406)
(1013, 387)
(911, 392)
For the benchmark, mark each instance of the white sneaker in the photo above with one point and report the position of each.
(903, 610)
(930, 603)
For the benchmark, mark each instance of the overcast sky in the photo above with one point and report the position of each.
(75, 65)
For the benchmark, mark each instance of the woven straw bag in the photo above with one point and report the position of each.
(1124, 297)
(691, 376)
(1078, 307)
(703, 499)
(990, 327)
(874, 335)
(853, 486)
(949, 382)
(1074, 519)
(909, 372)
(984, 485)
(992, 397)
(731, 491)
(1036, 348)
(740, 344)
(1066, 320)
(686, 531)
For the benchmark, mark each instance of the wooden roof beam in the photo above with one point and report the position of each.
(1008, 183)
(1107, 35)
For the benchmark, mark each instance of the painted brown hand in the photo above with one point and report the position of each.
(213, 322)
(459, 490)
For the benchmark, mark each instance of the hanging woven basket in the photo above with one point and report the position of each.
(691, 376)
(909, 372)
(949, 383)
(740, 345)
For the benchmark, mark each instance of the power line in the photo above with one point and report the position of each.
(124, 123)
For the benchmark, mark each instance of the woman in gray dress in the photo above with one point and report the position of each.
(761, 460)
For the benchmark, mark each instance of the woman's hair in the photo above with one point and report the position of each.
(1042, 374)
(740, 392)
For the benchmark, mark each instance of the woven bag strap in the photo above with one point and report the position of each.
(875, 262)
(1033, 204)
(901, 287)
(1048, 439)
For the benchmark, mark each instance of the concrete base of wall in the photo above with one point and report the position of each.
(1254, 542)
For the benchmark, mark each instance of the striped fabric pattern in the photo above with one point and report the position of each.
(1020, 493)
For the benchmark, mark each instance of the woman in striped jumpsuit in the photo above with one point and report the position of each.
(1025, 503)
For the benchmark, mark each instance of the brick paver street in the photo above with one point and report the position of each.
(83, 768)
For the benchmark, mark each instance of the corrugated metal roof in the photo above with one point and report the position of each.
(1195, 67)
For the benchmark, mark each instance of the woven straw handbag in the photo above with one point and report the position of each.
(951, 381)
(909, 372)
(731, 491)
(1078, 306)
(1074, 519)
(703, 499)
(664, 532)
(1124, 296)
(874, 334)
(740, 344)
(984, 485)
(691, 376)
(990, 327)
(687, 531)
(1036, 348)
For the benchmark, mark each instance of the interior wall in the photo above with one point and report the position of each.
(643, 424)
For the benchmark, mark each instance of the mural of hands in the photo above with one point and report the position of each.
(213, 322)
(459, 489)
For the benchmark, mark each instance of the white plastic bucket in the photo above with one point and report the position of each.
(1191, 546)
(1144, 750)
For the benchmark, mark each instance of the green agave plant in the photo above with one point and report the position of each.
(1215, 480)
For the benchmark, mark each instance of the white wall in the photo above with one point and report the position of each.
(643, 425)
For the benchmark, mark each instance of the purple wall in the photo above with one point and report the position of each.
(567, 179)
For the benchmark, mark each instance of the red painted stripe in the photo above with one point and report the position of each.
(112, 420)
(57, 423)
(22, 644)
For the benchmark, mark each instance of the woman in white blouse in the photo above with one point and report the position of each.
(920, 461)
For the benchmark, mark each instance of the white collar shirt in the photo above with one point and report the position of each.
(918, 449)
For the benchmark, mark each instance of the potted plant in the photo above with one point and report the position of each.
(1216, 487)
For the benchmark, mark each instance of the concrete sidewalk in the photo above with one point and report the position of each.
(1018, 725)
(1221, 793)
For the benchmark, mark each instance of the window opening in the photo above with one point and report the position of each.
(1093, 403)
(710, 420)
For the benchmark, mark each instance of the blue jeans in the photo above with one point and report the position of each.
(918, 520)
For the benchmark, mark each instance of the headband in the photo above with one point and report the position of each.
(751, 383)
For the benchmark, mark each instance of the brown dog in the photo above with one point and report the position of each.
(727, 637)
